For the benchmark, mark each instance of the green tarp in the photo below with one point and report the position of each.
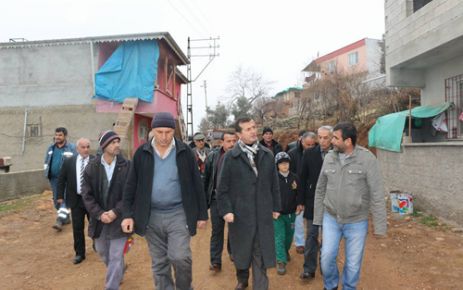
(386, 134)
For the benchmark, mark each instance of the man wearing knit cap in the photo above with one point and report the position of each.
(104, 179)
(164, 201)
(268, 142)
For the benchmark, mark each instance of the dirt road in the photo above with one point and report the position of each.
(34, 256)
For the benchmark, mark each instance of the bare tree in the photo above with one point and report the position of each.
(246, 87)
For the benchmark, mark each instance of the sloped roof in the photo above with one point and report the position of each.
(100, 39)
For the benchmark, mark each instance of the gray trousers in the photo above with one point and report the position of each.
(112, 254)
(259, 272)
(169, 244)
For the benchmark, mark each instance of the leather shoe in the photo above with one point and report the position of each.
(306, 276)
(241, 286)
(215, 267)
(78, 259)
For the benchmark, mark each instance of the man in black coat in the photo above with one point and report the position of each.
(312, 162)
(104, 180)
(213, 168)
(248, 198)
(308, 140)
(70, 181)
(164, 200)
(268, 142)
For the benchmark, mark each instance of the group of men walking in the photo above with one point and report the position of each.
(254, 187)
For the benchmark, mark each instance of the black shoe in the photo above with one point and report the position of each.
(58, 226)
(78, 259)
(241, 286)
(306, 276)
(215, 268)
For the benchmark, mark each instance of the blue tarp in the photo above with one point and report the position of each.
(386, 134)
(130, 72)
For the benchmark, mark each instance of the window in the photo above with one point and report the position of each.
(454, 94)
(332, 66)
(418, 4)
(33, 130)
(353, 58)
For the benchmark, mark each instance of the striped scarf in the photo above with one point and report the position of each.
(251, 152)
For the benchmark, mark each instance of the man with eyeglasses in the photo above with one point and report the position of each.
(311, 164)
(201, 152)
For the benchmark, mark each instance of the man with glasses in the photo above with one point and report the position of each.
(311, 165)
(201, 152)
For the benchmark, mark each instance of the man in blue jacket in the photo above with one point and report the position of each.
(54, 157)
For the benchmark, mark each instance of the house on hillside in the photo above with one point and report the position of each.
(87, 85)
(363, 56)
(424, 49)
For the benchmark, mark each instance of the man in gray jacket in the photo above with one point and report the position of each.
(350, 185)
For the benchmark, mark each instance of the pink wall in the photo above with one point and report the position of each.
(341, 57)
(142, 125)
(163, 101)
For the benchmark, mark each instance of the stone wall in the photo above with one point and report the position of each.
(431, 172)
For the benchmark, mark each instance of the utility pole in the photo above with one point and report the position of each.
(212, 46)
(205, 94)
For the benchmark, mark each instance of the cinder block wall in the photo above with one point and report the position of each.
(80, 120)
(432, 173)
(18, 184)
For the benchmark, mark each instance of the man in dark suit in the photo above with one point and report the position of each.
(248, 196)
(69, 190)
(311, 164)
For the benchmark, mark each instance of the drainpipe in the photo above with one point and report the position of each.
(92, 63)
(24, 132)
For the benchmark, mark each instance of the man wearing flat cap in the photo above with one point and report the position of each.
(104, 179)
(164, 201)
(201, 152)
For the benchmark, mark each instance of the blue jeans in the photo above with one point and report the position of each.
(299, 234)
(54, 188)
(354, 236)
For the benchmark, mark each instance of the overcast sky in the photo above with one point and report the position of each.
(273, 38)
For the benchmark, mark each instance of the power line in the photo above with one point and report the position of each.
(183, 16)
(199, 19)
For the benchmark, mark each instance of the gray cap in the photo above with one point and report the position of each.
(199, 136)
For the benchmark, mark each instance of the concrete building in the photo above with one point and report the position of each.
(424, 49)
(53, 83)
(363, 56)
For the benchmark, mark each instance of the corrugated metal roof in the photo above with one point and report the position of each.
(99, 39)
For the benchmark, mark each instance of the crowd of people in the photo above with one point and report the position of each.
(316, 193)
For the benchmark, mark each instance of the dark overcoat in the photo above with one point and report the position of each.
(93, 197)
(251, 199)
(311, 165)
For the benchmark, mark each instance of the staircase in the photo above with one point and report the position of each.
(124, 122)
